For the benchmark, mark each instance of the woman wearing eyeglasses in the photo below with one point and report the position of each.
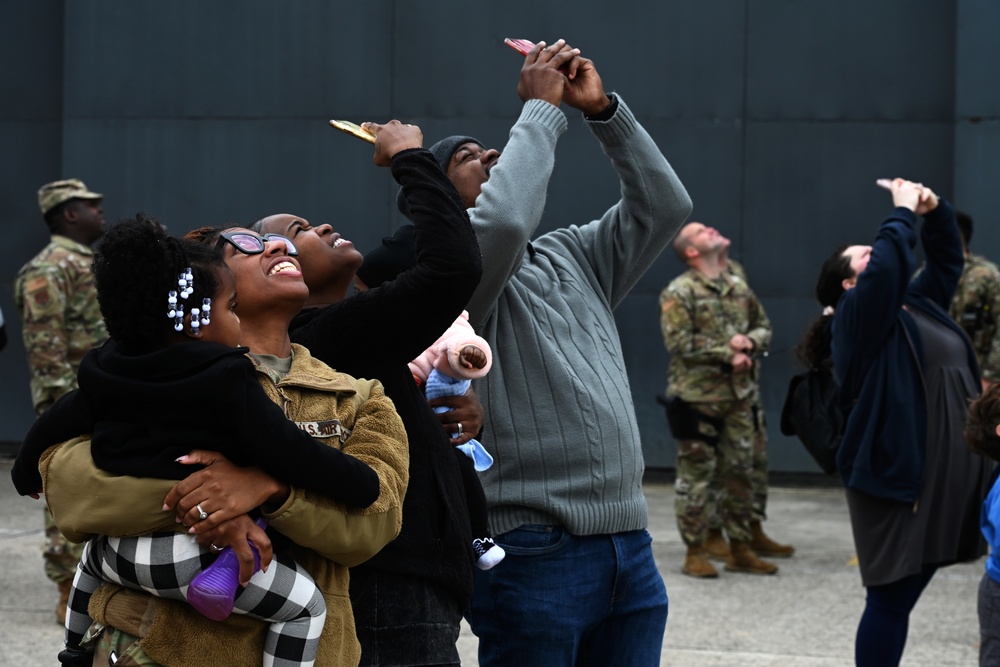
(173, 379)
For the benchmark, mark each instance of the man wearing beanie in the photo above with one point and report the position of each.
(565, 492)
(57, 298)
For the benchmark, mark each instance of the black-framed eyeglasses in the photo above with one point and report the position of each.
(249, 243)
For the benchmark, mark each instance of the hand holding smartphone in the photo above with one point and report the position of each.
(354, 130)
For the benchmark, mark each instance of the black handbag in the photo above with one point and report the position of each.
(812, 412)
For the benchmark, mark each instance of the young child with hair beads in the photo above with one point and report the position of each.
(446, 368)
(982, 432)
(173, 352)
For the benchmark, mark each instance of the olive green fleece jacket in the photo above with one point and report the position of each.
(328, 539)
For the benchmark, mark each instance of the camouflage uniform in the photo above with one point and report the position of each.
(976, 307)
(761, 465)
(58, 302)
(698, 317)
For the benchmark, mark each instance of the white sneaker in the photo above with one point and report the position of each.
(488, 552)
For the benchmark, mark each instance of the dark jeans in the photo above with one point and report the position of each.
(404, 622)
(989, 622)
(561, 599)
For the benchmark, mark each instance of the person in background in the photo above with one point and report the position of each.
(976, 305)
(907, 372)
(716, 330)
(61, 319)
(579, 584)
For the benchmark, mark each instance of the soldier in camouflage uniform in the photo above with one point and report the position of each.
(62, 321)
(716, 546)
(715, 329)
(976, 305)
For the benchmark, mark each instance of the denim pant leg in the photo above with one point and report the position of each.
(632, 632)
(559, 599)
(989, 622)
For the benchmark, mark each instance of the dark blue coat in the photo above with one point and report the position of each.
(878, 353)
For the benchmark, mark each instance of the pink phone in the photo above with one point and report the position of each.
(522, 46)
(884, 183)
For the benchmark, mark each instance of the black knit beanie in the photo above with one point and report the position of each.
(396, 254)
(443, 152)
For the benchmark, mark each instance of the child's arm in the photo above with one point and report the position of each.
(295, 454)
(68, 417)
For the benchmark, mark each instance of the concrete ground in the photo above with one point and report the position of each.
(805, 616)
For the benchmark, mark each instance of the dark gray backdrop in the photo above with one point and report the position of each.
(777, 114)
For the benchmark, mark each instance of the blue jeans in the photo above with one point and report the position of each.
(559, 599)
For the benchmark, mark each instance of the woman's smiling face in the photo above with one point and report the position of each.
(264, 279)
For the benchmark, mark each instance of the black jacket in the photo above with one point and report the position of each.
(146, 410)
(375, 334)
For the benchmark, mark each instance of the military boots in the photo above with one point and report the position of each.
(716, 546)
(696, 565)
(743, 559)
(765, 546)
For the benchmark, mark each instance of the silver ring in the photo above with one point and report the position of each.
(460, 431)
(202, 514)
(214, 548)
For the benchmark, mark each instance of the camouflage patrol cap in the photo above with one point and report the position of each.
(52, 194)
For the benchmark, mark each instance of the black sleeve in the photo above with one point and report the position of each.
(67, 418)
(283, 450)
(425, 299)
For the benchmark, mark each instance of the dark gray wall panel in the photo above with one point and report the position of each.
(977, 53)
(853, 59)
(31, 50)
(811, 187)
(232, 58)
(243, 170)
(653, 52)
(977, 172)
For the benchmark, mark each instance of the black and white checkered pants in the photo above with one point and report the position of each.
(163, 564)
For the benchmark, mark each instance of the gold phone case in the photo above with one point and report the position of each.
(354, 130)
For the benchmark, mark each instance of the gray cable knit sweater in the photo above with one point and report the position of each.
(559, 414)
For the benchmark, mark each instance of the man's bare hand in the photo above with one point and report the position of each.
(541, 77)
(584, 88)
(465, 410)
(741, 363)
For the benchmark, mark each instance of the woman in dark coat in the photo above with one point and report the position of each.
(906, 372)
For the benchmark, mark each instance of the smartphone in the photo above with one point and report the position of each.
(884, 183)
(522, 46)
(354, 130)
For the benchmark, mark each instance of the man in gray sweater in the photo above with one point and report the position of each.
(565, 491)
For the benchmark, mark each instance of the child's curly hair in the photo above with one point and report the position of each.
(981, 423)
(135, 266)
